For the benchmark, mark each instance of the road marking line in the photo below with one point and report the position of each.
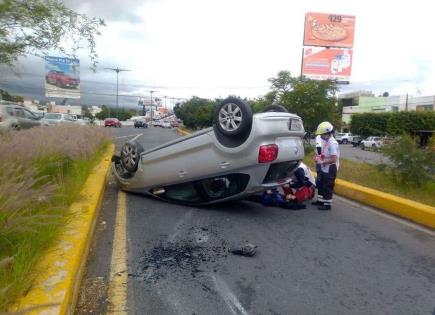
(118, 266)
(228, 296)
(121, 137)
(137, 136)
(387, 215)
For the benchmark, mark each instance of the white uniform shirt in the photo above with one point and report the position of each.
(307, 173)
(330, 148)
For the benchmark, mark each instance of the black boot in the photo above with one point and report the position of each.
(324, 207)
(317, 203)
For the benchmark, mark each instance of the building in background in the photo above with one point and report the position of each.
(366, 102)
(65, 109)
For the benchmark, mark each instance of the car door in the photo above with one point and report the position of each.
(21, 118)
(31, 119)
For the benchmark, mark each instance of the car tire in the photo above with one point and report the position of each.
(345, 141)
(130, 156)
(233, 117)
(275, 108)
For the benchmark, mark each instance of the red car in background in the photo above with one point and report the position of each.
(112, 122)
(60, 79)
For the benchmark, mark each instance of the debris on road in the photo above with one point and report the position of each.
(248, 250)
(186, 257)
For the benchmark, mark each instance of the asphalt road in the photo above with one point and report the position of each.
(352, 260)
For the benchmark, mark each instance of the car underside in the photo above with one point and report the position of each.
(242, 154)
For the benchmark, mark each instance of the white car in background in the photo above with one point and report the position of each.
(372, 142)
(344, 138)
(166, 124)
(51, 119)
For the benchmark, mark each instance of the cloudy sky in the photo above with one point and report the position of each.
(213, 48)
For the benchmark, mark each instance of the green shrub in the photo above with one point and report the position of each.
(411, 165)
(381, 124)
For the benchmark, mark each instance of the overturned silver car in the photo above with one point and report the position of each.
(242, 154)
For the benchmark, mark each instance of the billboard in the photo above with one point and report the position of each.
(329, 30)
(321, 63)
(62, 77)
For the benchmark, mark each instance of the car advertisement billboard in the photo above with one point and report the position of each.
(62, 77)
(329, 30)
(322, 63)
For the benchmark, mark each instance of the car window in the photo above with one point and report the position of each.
(182, 192)
(224, 186)
(29, 114)
(10, 111)
(19, 112)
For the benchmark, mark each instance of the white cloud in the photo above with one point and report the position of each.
(215, 48)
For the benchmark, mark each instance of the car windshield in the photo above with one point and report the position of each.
(53, 116)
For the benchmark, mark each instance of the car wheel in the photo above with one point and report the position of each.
(233, 117)
(130, 155)
(16, 127)
(345, 141)
(275, 108)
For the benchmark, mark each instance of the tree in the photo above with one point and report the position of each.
(34, 27)
(196, 113)
(314, 101)
(4, 95)
(385, 94)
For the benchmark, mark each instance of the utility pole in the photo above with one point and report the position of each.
(151, 92)
(117, 70)
(165, 100)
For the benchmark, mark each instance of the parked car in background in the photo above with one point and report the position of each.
(372, 142)
(60, 79)
(51, 119)
(157, 123)
(242, 154)
(140, 124)
(356, 141)
(112, 122)
(14, 117)
(174, 124)
(344, 138)
(166, 124)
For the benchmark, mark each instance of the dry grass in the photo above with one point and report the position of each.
(41, 173)
(373, 176)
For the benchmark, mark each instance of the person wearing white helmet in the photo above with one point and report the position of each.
(329, 161)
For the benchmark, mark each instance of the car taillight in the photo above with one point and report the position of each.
(267, 153)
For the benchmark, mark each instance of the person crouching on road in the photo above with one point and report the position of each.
(300, 189)
(329, 164)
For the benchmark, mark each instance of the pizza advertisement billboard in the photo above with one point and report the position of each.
(62, 77)
(322, 63)
(329, 30)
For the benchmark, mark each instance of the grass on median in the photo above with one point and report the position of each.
(372, 176)
(42, 171)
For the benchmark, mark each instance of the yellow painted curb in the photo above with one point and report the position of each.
(62, 266)
(409, 209)
(182, 132)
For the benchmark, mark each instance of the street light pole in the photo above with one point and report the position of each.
(117, 70)
(151, 92)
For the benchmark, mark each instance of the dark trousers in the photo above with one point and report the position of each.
(327, 181)
(318, 177)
